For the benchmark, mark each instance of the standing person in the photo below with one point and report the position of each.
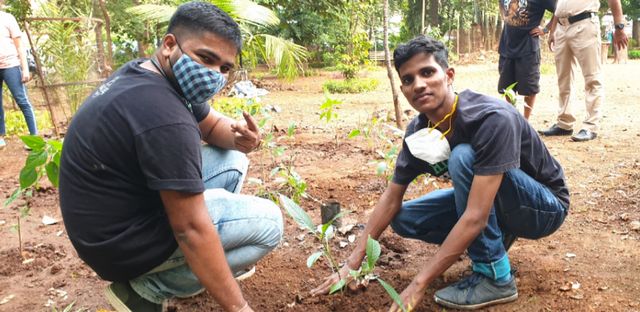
(144, 203)
(575, 40)
(506, 184)
(520, 47)
(14, 71)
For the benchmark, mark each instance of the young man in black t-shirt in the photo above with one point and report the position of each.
(505, 184)
(520, 47)
(144, 203)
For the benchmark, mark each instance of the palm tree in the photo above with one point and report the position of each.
(283, 56)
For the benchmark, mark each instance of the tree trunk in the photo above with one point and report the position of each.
(636, 31)
(387, 60)
(434, 17)
(107, 28)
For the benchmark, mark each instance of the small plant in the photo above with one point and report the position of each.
(385, 168)
(634, 54)
(365, 274)
(15, 124)
(290, 182)
(510, 94)
(327, 112)
(323, 232)
(44, 159)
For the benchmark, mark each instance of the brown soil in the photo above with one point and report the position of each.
(596, 247)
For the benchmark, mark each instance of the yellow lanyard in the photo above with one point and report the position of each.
(453, 110)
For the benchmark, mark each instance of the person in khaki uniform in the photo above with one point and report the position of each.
(575, 39)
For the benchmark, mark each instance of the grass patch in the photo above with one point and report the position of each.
(634, 54)
(356, 85)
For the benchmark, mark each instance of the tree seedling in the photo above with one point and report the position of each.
(323, 232)
(365, 274)
(327, 112)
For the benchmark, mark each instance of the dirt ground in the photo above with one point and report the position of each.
(591, 264)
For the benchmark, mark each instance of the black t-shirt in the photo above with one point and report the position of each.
(520, 16)
(501, 138)
(130, 139)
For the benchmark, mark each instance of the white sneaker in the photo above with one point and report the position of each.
(244, 274)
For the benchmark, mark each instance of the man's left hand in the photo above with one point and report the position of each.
(620, 39)
(411, 297)
(537, 32)
(247, 134)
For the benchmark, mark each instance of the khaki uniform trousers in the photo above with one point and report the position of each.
(579, 44)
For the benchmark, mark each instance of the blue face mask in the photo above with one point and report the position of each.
(197, 82)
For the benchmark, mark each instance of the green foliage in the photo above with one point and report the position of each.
(385, 168)
(67, 43)
(19, 9)
(327, 108)
(44, 159)
(16, 125)
(634, 54)
(510, 94)
(290, 182)
(234, 106)
(356, 85)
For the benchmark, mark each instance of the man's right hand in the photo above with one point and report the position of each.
(331, 280)
(552, 41)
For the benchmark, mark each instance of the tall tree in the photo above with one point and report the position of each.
(387, 60)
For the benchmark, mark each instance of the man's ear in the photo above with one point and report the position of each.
(168, 44)
(451, 75)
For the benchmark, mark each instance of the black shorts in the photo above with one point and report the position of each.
(524, 70)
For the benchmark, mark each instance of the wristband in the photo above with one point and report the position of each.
(545, 30)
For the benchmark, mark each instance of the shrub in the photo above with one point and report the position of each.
(15, 124)
(356, 85)
(634, 54)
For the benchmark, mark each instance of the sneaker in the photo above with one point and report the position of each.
(476, 291)
(3, 144)
(584, 135)
(555, 130)
(124, 299)
(244, 274)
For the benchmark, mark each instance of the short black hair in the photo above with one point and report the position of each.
(202, 16)
(421, 44)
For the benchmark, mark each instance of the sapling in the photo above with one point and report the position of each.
(365, 274)
(327, 112)
(323, 232)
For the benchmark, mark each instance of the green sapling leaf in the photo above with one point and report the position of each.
(393, 294)
(13, 197)
(373, 252)
(354, 133)
(337, 286)
(313, 258)
(34, 142)
(28, 176)
(297, 213)
(53, 172)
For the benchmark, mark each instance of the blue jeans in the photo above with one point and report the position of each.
(13, 77)
(522, 207)
(249, 228)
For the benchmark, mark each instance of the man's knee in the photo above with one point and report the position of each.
(462, 157)
(273, 227)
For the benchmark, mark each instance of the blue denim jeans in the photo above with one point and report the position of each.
(522, 207)
(249, 228)
(13, 77)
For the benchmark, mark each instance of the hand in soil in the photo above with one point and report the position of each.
(411, 296)
(247, 134)
(323, 289)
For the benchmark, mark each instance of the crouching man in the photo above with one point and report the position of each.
(145, 204)
(505, 184)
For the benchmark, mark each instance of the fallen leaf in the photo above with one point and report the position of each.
(346, 228)
(570, 255)
(575, 285)
(351, 238)
(602, 288)
(7, 299)
(27, 261)
(565, 287)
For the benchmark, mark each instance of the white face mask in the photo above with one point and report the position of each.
(429, 144)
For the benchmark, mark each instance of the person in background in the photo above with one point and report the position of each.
(575, 39)
(520, 47)
(14, 71)
(144, 203)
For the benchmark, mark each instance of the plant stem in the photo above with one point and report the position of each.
(327, 254)
(20, 238)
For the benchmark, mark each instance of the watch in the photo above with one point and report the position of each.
(620, 26)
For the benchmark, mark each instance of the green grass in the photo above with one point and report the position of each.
(634, 54)
(356, 85)
(15, 124)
